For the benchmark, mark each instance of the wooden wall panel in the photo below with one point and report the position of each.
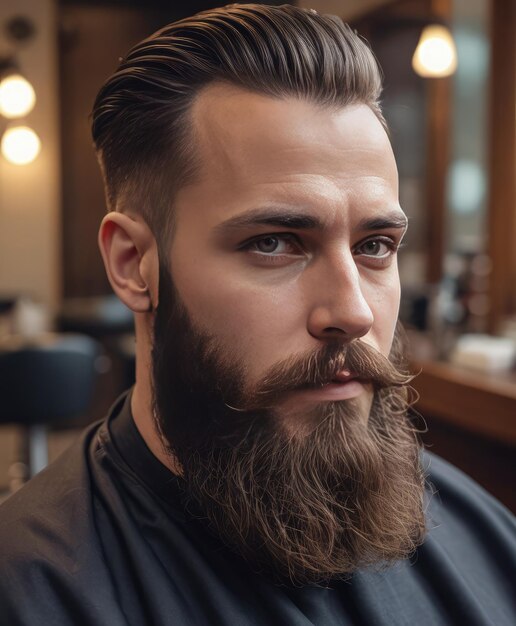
(91, 41)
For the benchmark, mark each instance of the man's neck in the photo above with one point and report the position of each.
(141, 408)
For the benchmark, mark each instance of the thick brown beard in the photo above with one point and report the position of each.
(347, 495)
(309, 508)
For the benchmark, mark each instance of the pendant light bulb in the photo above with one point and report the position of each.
(436, 54)
(17, 97)
(20, 145)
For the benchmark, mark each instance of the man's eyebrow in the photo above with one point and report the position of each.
(282, 218)
(384, 222)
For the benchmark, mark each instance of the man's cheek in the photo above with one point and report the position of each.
(385, 307)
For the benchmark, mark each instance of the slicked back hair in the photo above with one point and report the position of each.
(141, 129)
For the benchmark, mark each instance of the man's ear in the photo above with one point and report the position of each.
(130, 256)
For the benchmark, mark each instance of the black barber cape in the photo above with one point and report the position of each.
(99, 538)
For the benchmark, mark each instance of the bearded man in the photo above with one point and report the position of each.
(263, 469)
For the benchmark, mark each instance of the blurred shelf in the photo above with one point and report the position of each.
(482, 403)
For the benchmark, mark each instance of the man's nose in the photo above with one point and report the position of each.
(339, 309)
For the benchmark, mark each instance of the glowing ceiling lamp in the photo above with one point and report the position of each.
(435, 55)
(20, 145)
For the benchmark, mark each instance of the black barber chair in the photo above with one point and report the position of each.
(45, 380)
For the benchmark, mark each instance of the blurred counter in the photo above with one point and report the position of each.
(483, 403)
(470, 418)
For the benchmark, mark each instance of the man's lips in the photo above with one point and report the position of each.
(344, 376)
(343, 386)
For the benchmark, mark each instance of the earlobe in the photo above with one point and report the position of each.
(130, 257)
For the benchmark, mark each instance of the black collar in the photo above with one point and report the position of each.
(123, 435)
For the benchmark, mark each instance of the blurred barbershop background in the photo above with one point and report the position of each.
(67, 343)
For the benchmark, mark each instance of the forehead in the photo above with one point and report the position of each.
(253, 148)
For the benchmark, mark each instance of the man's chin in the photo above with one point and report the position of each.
(318, 507)
(300, 412)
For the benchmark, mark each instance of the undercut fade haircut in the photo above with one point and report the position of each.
(141, 128)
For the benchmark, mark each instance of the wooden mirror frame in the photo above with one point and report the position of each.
(502, 163)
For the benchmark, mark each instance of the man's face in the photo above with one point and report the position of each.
(288, 239)
(277, 311)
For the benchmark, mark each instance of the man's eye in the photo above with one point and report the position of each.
(274, 244)
(380, 247)
(269, 244)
